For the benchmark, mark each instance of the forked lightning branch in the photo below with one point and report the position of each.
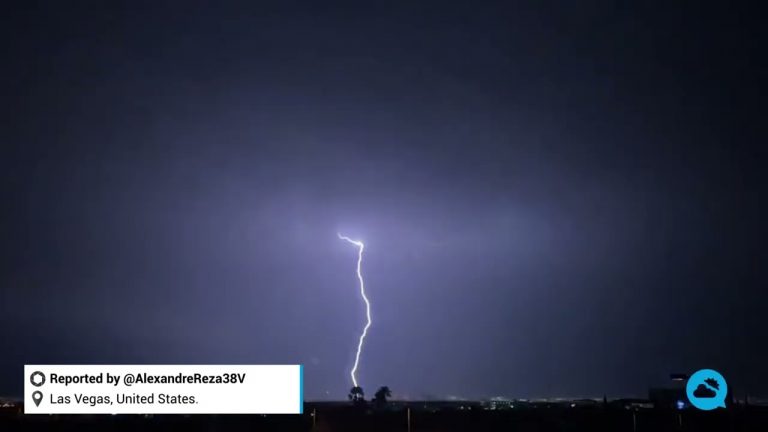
(360, 248)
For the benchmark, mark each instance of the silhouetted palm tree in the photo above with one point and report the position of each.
(356, 395)
(380, 398)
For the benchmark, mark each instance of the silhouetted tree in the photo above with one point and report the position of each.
(356, 395)
(380, 398)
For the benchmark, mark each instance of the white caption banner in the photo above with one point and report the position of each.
(163, 389)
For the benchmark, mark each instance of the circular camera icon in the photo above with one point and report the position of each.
(37, 378)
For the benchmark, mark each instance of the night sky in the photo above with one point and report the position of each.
(557, 199)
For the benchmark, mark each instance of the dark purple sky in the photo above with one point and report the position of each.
(556, 199)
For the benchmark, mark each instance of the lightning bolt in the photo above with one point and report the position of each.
(360, 247)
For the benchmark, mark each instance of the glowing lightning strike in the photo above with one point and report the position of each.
(360, 246)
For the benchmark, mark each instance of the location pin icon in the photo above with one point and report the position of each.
(37, 397)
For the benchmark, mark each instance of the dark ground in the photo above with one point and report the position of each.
(341, 418)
